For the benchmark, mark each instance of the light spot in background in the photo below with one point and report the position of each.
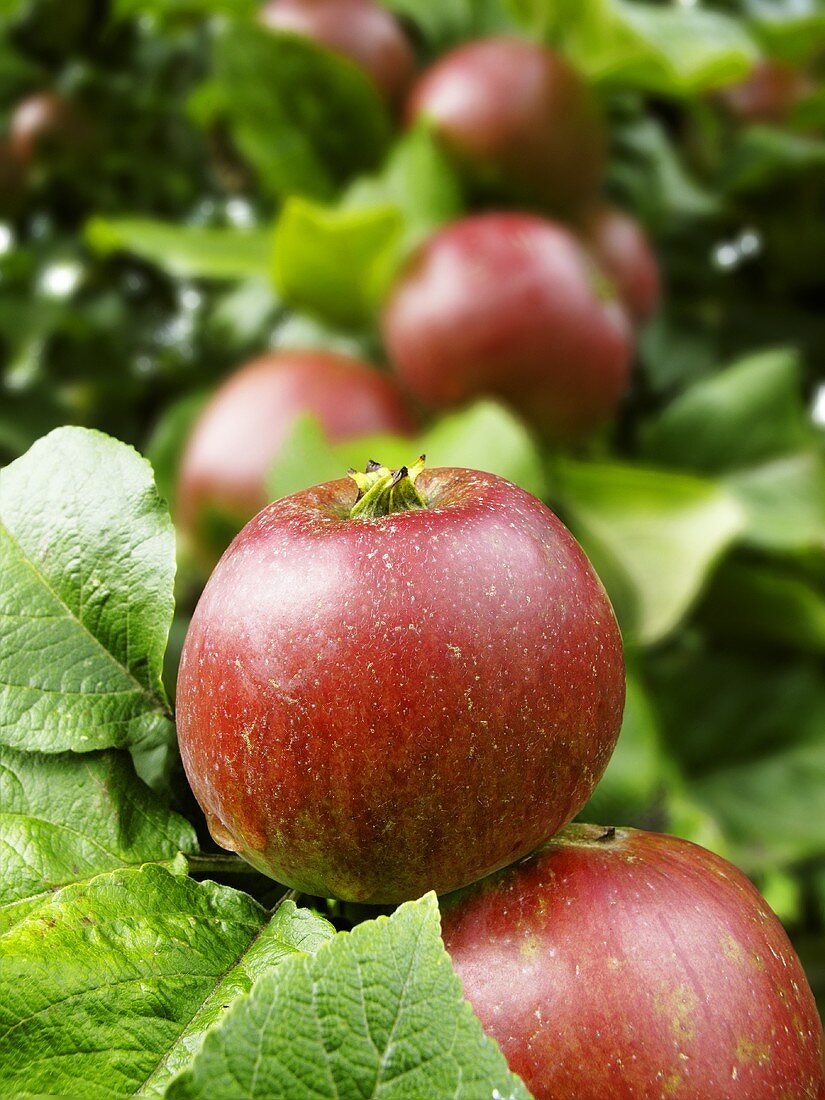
(190, 299)
(818, 406)
(59, 280)
(240, 213)
(687, 3)
(728, 255)
(6, 238)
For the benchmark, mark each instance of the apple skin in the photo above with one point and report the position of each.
(513, 306)
(358, 29)
(372, 708)
(623, 251)
(44, 128)
(636, 966)
(248, 420)
(769, 94)
(519, 120)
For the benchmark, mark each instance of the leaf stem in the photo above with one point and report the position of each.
(220, 864)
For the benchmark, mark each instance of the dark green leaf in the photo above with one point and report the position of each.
(306, 118)
(745, 414)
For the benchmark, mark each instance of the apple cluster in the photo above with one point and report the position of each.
(410, 680)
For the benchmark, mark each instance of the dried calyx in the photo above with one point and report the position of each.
(382, 491)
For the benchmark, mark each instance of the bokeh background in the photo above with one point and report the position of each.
(182, 189)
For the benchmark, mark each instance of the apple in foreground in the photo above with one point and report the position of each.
(518, 119)
(513, 306)
(358, 29)
(624, 964)
(398, 684)
(240, 433)
(622, 249)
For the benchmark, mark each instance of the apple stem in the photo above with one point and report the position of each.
(382, 492)
(608, 834)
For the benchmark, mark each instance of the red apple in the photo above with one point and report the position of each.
(519, 119)
(375, 705)
(241, 431)
(624, 253)
(769, 94)
(513, 306)
(358, 29)
(623, 964)
(46, 127)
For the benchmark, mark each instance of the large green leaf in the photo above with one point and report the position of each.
(306, 118)
(188, 251)
(784, 502)
(773, 807)
(672, 50)
(653, 536)
(377, 1012)
(766, 603)
(329, 261)
(107, 989)
(337, 262)
(87, 556)
(66, 818)
(746, 413)
(484, 436)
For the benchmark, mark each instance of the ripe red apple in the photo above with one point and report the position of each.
(358, 29)
(514, 306)
(46, 127)
(241, 431)
(373, 705)
(519, 119)
(769, 94)
(624, 253)
(623, 964)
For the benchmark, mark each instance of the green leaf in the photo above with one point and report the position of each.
(185, 251)
(765, 156)
(484, 436)
(784, 502)
(772, 808)
(168, 441)
(107, 989)
(721, 706)
(653, 537)
(444, 23)
(173, 10)
(673, 50)
(377, 1012)
(338, 262)
(306, 119)
(791, 29)
(637, 768)
(330, 261)
(87, 556)
(765, 603)
(747, 413)
(65, 818)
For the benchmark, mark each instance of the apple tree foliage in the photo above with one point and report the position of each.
(218, 214)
